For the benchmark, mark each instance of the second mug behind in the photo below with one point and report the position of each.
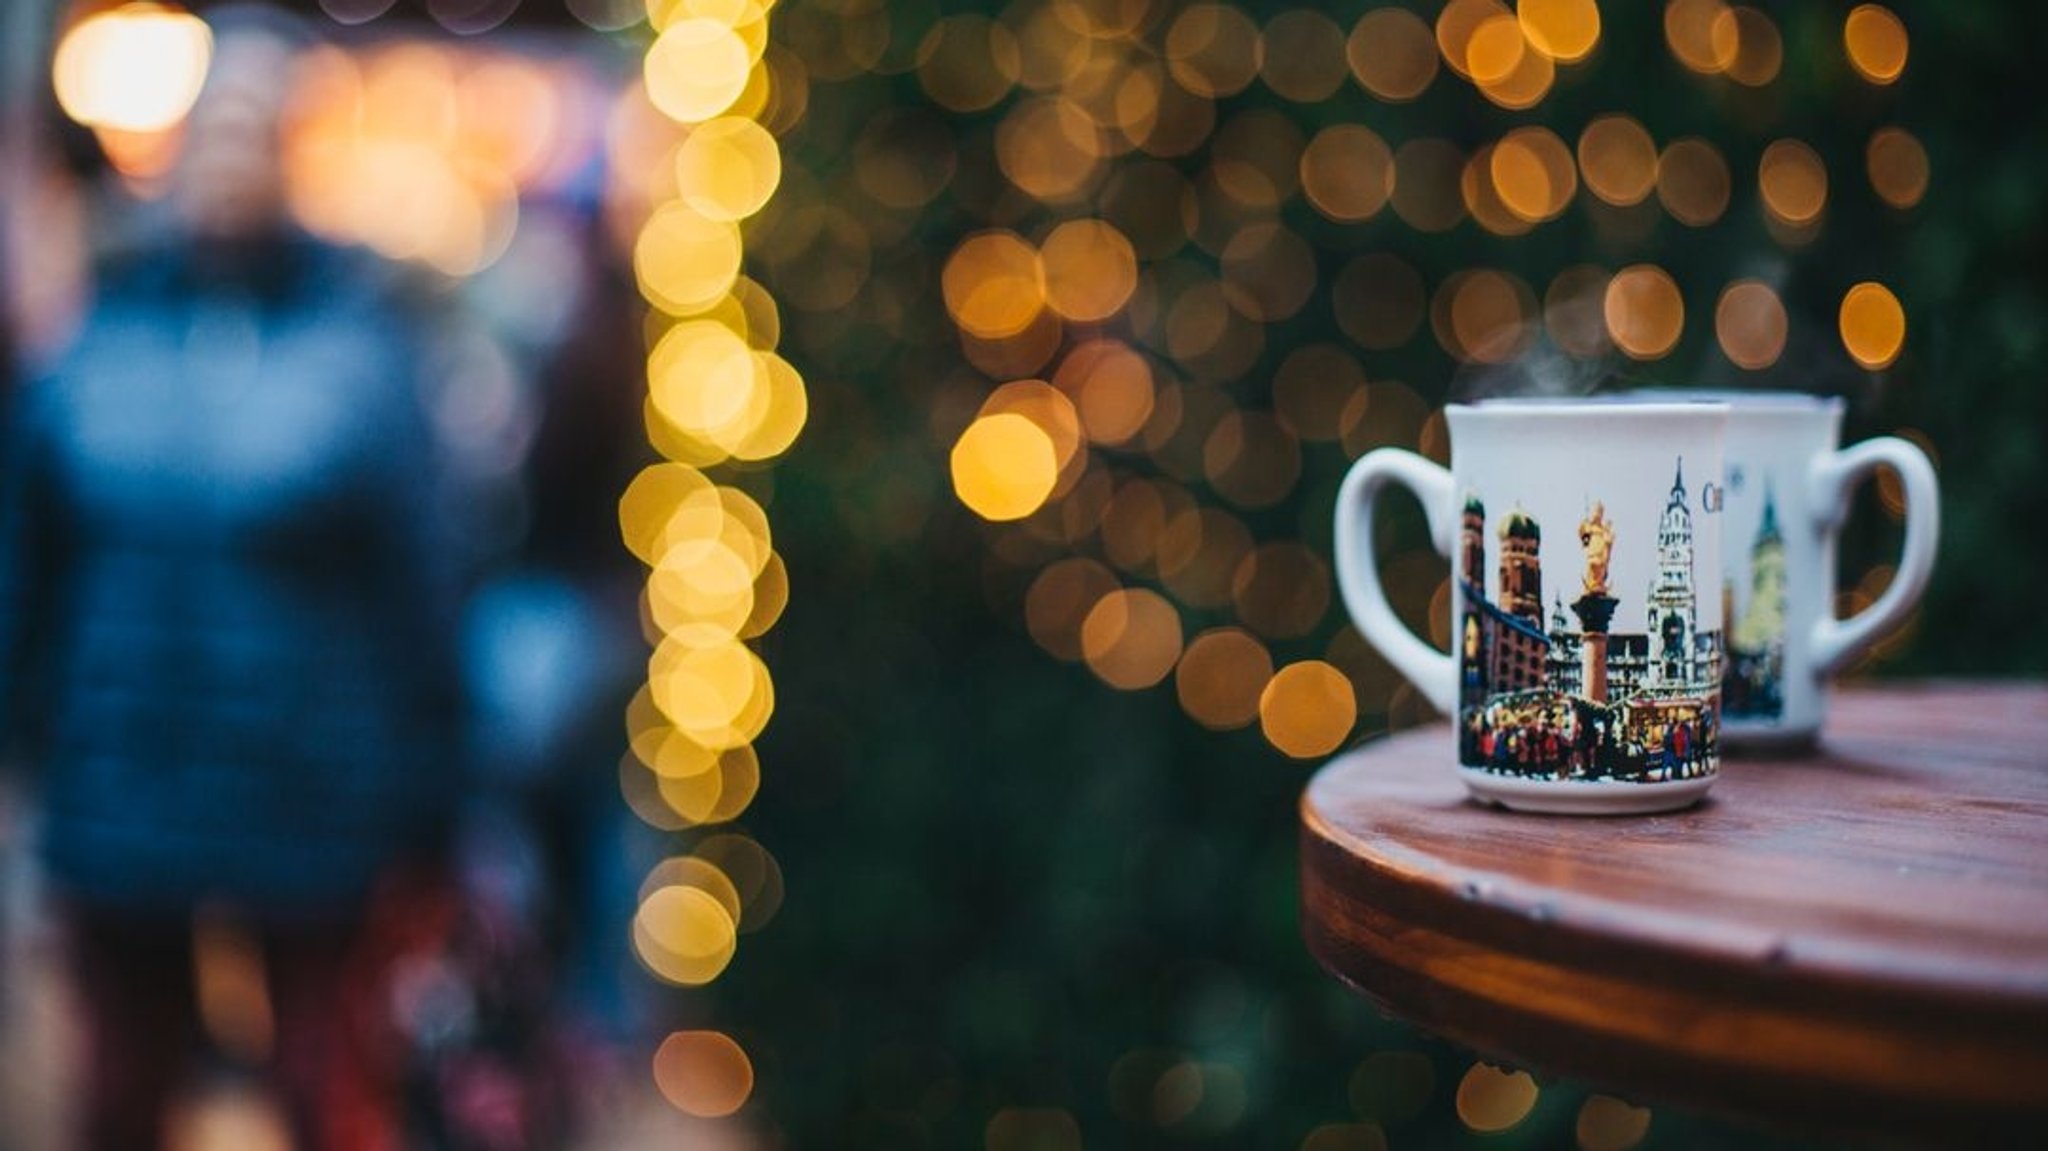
(1788, 490)
(1585, 545)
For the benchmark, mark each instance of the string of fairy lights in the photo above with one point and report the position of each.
(718, 397)
(1119, 298)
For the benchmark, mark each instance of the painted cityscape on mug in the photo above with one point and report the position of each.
(1751, 688)
(1565, 696)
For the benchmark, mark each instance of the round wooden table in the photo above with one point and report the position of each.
(1855, 941)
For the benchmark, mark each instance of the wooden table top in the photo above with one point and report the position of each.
(1855, 941)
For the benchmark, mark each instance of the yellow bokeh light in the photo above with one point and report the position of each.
(706, 381)
(717, 693)
(1220, 677)
(649, 503)
(1251, 459)
(710, 518)
(1004, 466)
(1049, 409)
(702, 593)
(1477, 188)
(771, 596)
(1532, 172)
(1607, 1124)
(1018, 354)
(1090, 270)
(1693, 182)
(716, 796)
(1897, 164)
(1526, 85)
(1060, 598)
(753, 872)
(1457, 23)
(1311, 387)
(703, 1073)
(1269, 272)
(786, 410)
(1876, 42)
(727, 168)
(135, 68)
(702, 874)
(1485, 316)
(1111, 387)
(1347, 172)
(731, 13)
(1392, 54)
(1749, 322)
(1644, 312)
(1564, 30)
(1307, 709)
(684, 262)
(1690, 30)
(1793, 182)
(1302, 56)
(670, 754)
(1618, 160)
(1213, 49)
(994, 284)
(1255, 158)
(1131, 638)
(968, 62)
(684, 935)
(1281, 589)
(696, 69)
(1136, 516)
(1051, 148)
(1491, 1100)
(1873, 325)
(684, 801)
(1198, 554)
(1495, 49)
(1751, 46)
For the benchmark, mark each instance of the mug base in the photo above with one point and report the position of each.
(1582, 796)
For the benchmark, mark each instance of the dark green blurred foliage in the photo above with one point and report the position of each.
(1011, 886)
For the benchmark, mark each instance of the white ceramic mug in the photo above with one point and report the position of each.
(1788, 488)
(1586, 677)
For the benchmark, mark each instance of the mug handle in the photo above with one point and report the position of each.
(1434, 673)
(1832, 478)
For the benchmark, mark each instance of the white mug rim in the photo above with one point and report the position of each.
(1579, 406)
(1738, 399)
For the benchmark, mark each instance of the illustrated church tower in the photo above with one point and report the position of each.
(1753, 684)
(1521, 568)
(1673, 616)
(1472, 546)
(1472, 685)
(1763, 623)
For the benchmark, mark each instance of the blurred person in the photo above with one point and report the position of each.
(227, 643)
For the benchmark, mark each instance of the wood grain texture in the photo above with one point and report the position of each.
(1856, 941)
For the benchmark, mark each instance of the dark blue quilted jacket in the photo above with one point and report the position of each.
(226, 613)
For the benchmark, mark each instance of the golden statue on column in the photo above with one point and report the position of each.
(1596, 535)
(1595, 608)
